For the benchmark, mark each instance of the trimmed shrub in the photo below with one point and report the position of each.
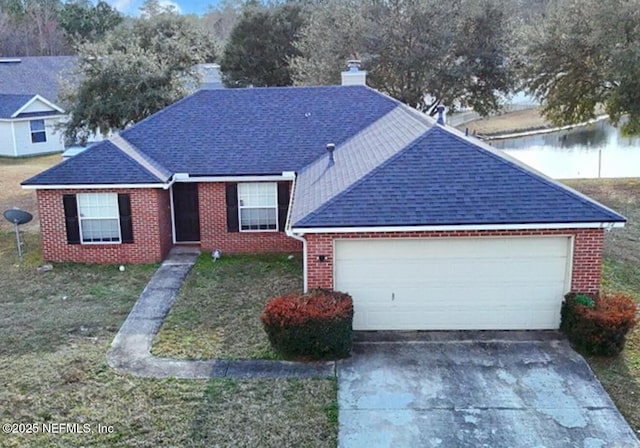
(316, 325)
(598, 324)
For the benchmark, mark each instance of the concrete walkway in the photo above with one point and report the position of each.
(130, 349)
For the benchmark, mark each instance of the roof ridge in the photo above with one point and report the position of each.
(359, 163)
(355, 184)
(140, 158)
(480, 145)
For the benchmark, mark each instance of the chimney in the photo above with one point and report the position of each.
(354, 76)
(330, 148)
(440, 110)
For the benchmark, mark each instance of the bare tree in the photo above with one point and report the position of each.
(218, 22)
(31, 28)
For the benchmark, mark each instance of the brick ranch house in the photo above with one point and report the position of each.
(426, 228)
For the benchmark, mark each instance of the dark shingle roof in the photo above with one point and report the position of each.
(320, 181)
(255, 131)
(445, 179)
(405, 171)
(35, 75)
(102, 163)
(10, 104)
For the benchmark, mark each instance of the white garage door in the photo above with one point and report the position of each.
(454, 284)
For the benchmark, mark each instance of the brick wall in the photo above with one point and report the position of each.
(152, 231)
(213, 227)
(587, 252)
(151, 221)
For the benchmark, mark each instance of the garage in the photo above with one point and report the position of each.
(499, 283)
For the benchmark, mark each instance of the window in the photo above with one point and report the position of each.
(258, 206)
(99, 217)
(38, 131)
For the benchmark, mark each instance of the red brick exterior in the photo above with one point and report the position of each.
(152, 228)
(213, 227)
(152, 233)
(151, 221)
(587, 252)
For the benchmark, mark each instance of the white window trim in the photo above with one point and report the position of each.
(240, 207)
(31, 131)
(80, 219)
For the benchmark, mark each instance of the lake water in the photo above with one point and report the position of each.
(597, 150)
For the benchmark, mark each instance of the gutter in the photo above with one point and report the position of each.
(462, 227)
(290, 233)
(92, 186)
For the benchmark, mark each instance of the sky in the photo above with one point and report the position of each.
(132, 7)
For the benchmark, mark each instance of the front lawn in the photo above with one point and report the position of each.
(217, 312)
(55, 330)
(621, 375)
(15, 171)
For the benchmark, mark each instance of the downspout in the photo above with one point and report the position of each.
(175, 177)
(290, 233)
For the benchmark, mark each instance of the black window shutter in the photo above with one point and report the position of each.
(233, 224)
(71, 218)
(283, 204)
(126, 227)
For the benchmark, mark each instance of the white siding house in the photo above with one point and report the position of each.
(28, 126)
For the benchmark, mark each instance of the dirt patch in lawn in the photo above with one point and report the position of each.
(15, 171)
(217, 314)
(512, 122)
(620, 375)
(55, 329)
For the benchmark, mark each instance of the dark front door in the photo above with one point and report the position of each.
(185, 212)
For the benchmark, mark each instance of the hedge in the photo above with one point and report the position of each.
(598, 324)
(316, 325)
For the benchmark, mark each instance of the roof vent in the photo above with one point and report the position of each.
(354, 76)
(440, 110)
(330, 149)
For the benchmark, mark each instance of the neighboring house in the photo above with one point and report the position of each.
(28, 126)
(424, 227)
(30, 86)
(210, 77)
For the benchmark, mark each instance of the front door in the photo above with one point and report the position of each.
(186, 213)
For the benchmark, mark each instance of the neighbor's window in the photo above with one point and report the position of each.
(258, 206)
(38, 132)
(99, 217)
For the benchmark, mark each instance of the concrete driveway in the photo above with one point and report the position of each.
(484, 389)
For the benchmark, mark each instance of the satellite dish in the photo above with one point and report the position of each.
(17, 217)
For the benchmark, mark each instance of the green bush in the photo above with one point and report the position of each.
(598, 324)
(316, 325)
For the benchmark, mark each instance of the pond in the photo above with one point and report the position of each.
(592, 151)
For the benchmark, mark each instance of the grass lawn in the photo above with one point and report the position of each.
(55, 329)
(15, 171)
(621, 375)
(217, 312)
